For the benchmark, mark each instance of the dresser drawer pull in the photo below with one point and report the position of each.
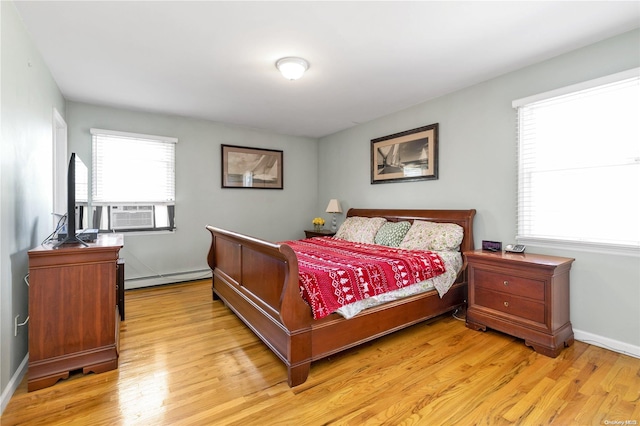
(505, 282)
(506, 304)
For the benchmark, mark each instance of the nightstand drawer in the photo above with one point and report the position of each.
(518, 286)
(507, 303)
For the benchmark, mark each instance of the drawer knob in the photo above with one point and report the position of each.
(506, 304)
(505, 282)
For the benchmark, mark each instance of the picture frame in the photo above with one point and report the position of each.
(407, 156)
(246, 167)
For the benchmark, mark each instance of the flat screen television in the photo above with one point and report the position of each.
(77, 172)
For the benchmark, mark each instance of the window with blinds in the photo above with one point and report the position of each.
(133, 181)
(579, 165)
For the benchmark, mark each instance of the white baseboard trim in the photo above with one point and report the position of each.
(13, 384)
(177, 277)
(607, 343)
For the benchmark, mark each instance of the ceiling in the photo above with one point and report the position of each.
(216, 60)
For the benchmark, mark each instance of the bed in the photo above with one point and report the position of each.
(259, 281)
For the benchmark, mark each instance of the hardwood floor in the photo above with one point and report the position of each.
(186, 360)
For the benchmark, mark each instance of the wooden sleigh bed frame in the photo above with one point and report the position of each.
(258, 281)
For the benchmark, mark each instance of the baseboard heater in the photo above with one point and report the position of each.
(170, 278)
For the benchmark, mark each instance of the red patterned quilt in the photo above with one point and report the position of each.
(335, 272)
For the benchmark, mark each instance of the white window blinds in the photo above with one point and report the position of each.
(132, 168)
(579, 163)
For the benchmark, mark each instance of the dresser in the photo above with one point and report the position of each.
(522, 294)
(74, 319)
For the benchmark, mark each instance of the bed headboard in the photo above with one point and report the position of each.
(463, 218)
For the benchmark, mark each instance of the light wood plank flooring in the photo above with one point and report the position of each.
(186, 360)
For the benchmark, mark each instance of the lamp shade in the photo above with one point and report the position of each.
(292, 68)
(334, 206)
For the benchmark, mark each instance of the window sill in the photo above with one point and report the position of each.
(602, 248)
(137, 233)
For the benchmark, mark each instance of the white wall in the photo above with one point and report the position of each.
(29, 96)
(478, 170)
(269, 214)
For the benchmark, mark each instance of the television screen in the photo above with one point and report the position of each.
(77, 177)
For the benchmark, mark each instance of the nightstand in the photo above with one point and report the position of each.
(320, 233)
(522, 294)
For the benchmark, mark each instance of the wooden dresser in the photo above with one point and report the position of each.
(522, 294)
(73, 314)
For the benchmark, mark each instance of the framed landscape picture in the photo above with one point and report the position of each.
(406, 156)
(244, 167)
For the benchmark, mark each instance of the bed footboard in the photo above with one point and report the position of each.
(258, 281)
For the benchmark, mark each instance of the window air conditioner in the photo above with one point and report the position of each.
(131, 217)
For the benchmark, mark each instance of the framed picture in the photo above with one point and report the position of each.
(244, 167)
(406, 156)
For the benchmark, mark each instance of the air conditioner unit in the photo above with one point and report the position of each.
(131, 217)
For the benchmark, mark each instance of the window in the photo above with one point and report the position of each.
(133, 181)
(579, 165)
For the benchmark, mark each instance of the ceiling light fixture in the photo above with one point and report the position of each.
(292, 68)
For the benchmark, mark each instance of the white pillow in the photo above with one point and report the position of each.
(360, 229)
(433, 236)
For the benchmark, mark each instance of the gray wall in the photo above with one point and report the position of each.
(29, 96)
(269, 214)
(478, 170)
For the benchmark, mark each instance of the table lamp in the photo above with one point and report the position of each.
(334, 207)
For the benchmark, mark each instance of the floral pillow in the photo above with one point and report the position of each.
(360, 229)
(391, 233)
(433, 236)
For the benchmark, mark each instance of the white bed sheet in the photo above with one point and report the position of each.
(442, 283)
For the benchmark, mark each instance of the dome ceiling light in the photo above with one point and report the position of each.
(292, 68)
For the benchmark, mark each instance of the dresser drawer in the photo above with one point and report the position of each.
(510, 304)
(518, 286)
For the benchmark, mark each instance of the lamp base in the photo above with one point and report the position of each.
(334, 223)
